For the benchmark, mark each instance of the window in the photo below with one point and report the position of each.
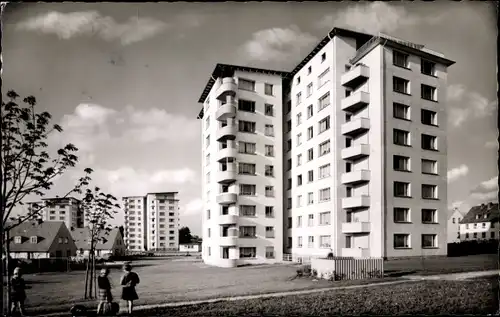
(299, 98)
(17, 239)
(324, 102)
(33, 239)
(289, 145)
(475, 235)
(429, 241)
(310, 242)
(324, 194)
(324, 124)
(400, 59)
(247, 210)
(289, 126)
(245, 84)
(400, 111)
(299, 180)
(246, 126)
(269, 252)
(207, 122)
(299, 159)
(299, 221)
(310, 220)
(401, 189)
(289, 222)
(309, 70)
(428, 92)
(401, 214)
(401, 163)
(310, 176)
(401, 137)
(269, 232)
(269, 130)
(299, 139)
(429, 167)
(310, 154)
(309, 111)
(310, 133)
(269, 170)
(429, 191)
(428, 117)
(310, 198)
(269, 110)
(324, 218)
(268, 89)
(453, 220)
(429, 216)
(323, 78)
(323, 57)
(309, 89)
(401, 241)
(428, 68)
(269, 150)
(298, 80)
(400, 85)
(269, 212)
(246, 168)
(324, 148)
(429, 142)
(247, 190)
(208, 217)
(324, 171)
(248, 252)
(324, 241)
(207, 141)
(299, 242)
(247, 231)
(269, 191)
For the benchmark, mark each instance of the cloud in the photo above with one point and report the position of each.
(475, 104)
(373, 18)
(457, 172)
(193, 207)
(486, 191)
(278, 44)
(90, 23)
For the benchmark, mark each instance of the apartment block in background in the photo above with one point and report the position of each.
(348, 149)
(481, 223)
(60, 209)
(152, 222)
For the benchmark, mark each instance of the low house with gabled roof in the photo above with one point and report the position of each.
(481, 223)
(454, 226)
(108, 243)
(35, 240)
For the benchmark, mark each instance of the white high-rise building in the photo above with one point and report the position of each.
(66, 209)
(345, 154)
(152, 222)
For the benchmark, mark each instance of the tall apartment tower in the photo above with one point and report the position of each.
(152, 222)
(60, 209)
(360, 136)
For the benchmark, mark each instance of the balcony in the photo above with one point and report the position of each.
(355, 227)
(228, 241)
(226, 198)
(227, 88)
(226, 111)
(355, 127)
(356, 252)
(227, 263)
(355, 152)
(226, 133)
(355, 101)
(356, 202)
(355, 177)
(227, 176)
(227, 219)
(355, 76)
(229, 151)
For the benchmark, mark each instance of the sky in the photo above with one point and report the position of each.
(124, 79)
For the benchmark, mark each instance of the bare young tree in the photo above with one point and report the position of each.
(99, 208)
(26, 167)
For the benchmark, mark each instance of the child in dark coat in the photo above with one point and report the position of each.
(128, 281)
(18, 291)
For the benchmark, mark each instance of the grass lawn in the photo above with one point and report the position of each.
(478, 296)
(164, 281)
(483, 262)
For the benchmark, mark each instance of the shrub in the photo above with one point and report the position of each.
(314, 273)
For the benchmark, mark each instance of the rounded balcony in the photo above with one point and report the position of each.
(226, 111)
(227, 263)
(227, 88)
(227, 219)
(228, 241)
(226, 133)
(228, 176)
(225, 153)
(227, 198)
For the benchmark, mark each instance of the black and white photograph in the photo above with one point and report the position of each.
(249, 158)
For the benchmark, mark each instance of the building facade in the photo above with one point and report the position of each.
(481, 223)
(67, 210)
(152, 222)
(454, 226)
(359, 133)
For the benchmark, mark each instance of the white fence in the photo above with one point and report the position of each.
(348, 268)
(296, 258)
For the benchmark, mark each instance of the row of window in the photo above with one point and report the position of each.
(309, 69)
(246, 211)
(324, 242)
(323, 125)
(249, 85)
(249, 232)
(140, 247)
(402, 86)
(403, 190)
(403, 241)
(402, 137)
(323, 220)
(475, 235)
(323, 78)
(402, 111)
(403, 215)
(401, 59)
(132, 229)
(245, 252)
(492, 225)
(402, 164)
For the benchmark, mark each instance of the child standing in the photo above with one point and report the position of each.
(129, 280)
(105, 296)
(18, 294)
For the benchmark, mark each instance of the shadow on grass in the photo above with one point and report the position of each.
(397, 273)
